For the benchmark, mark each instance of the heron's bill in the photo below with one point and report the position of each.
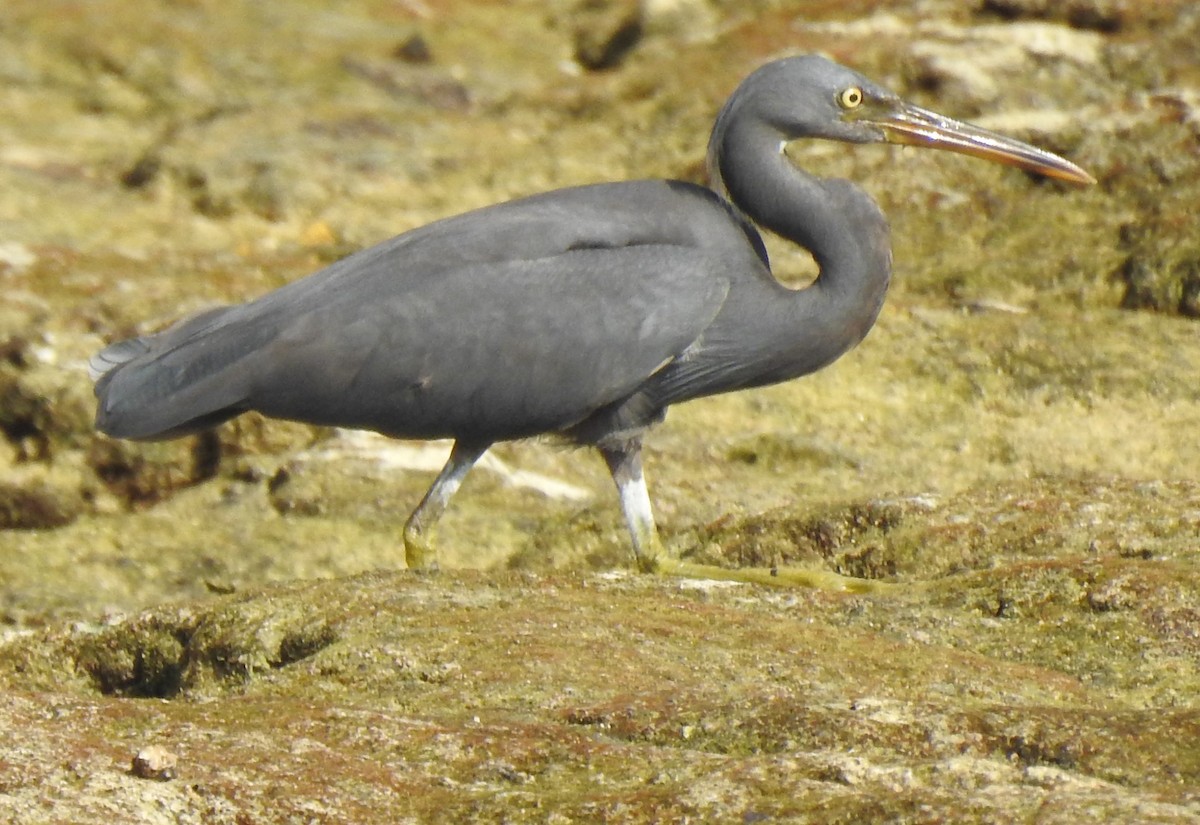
(914, 126)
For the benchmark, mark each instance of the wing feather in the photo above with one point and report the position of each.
(508, 321)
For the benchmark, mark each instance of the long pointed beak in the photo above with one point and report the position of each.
(914, 126)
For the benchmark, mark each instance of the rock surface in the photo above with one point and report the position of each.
(1013, 446)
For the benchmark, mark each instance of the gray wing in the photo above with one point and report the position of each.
(509, 321)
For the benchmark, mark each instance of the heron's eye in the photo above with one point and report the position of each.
(850, 97)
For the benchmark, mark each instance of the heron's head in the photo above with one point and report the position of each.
(809, 96)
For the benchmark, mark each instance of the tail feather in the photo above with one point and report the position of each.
(114, 355)
(185, 379)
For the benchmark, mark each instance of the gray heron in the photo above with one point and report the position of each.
(582, 313)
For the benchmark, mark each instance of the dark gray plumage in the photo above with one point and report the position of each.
(581, 312)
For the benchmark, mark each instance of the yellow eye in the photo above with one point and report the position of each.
(850, 98)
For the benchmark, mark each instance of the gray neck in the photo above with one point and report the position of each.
(833, 219)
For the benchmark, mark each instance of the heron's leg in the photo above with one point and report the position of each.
(419, 551)
(625, 463)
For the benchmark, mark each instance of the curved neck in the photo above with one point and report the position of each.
(833, 219)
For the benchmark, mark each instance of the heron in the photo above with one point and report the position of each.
(580, 313)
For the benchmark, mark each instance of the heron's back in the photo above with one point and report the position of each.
(506, 322)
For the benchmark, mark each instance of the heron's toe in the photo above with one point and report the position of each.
(419, 552)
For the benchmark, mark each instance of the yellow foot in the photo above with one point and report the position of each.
(770, 576)
(419, 552)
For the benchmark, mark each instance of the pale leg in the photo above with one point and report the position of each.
(419, 552)
(625, 463)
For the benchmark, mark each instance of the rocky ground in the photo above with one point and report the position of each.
(1013, 448)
